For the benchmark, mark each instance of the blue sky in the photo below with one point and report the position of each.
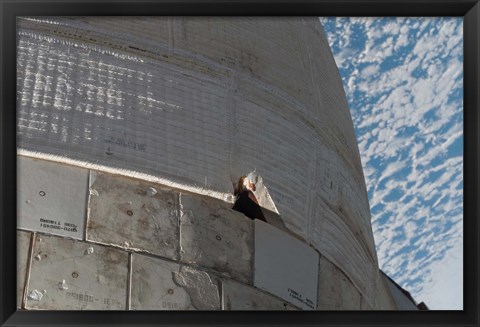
(403, 78)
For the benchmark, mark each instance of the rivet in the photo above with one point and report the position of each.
(129, 212)
(170, 291)
(41, 193)
(218, 237)
(74, 274)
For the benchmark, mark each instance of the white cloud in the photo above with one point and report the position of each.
(444, 288)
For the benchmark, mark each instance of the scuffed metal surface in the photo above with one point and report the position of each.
(285, 266)
(237, 296)
(161, 285)
(52, 197)
(133, 214)
(214, 236)
(200, 286)
(23, 245)
(69, 278)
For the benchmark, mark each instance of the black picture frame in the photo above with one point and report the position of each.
(468, 9)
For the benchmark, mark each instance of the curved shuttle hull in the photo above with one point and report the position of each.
(189, 105)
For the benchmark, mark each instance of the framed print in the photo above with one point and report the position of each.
(165, 158)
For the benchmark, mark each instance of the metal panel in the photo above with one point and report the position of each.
(334, 238)
(23, 246)
(52, 197)
(161, 285)
(383, 298)
(213, 235)
(71, 275)
(133, 214)
(237, 296)
(326, 183)
(401, 300)
(353, 205)
(285, 266)
(335, 290)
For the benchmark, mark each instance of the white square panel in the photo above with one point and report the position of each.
(51, 197)
(285, 266)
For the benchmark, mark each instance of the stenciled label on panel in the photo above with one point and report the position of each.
(52, 197)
